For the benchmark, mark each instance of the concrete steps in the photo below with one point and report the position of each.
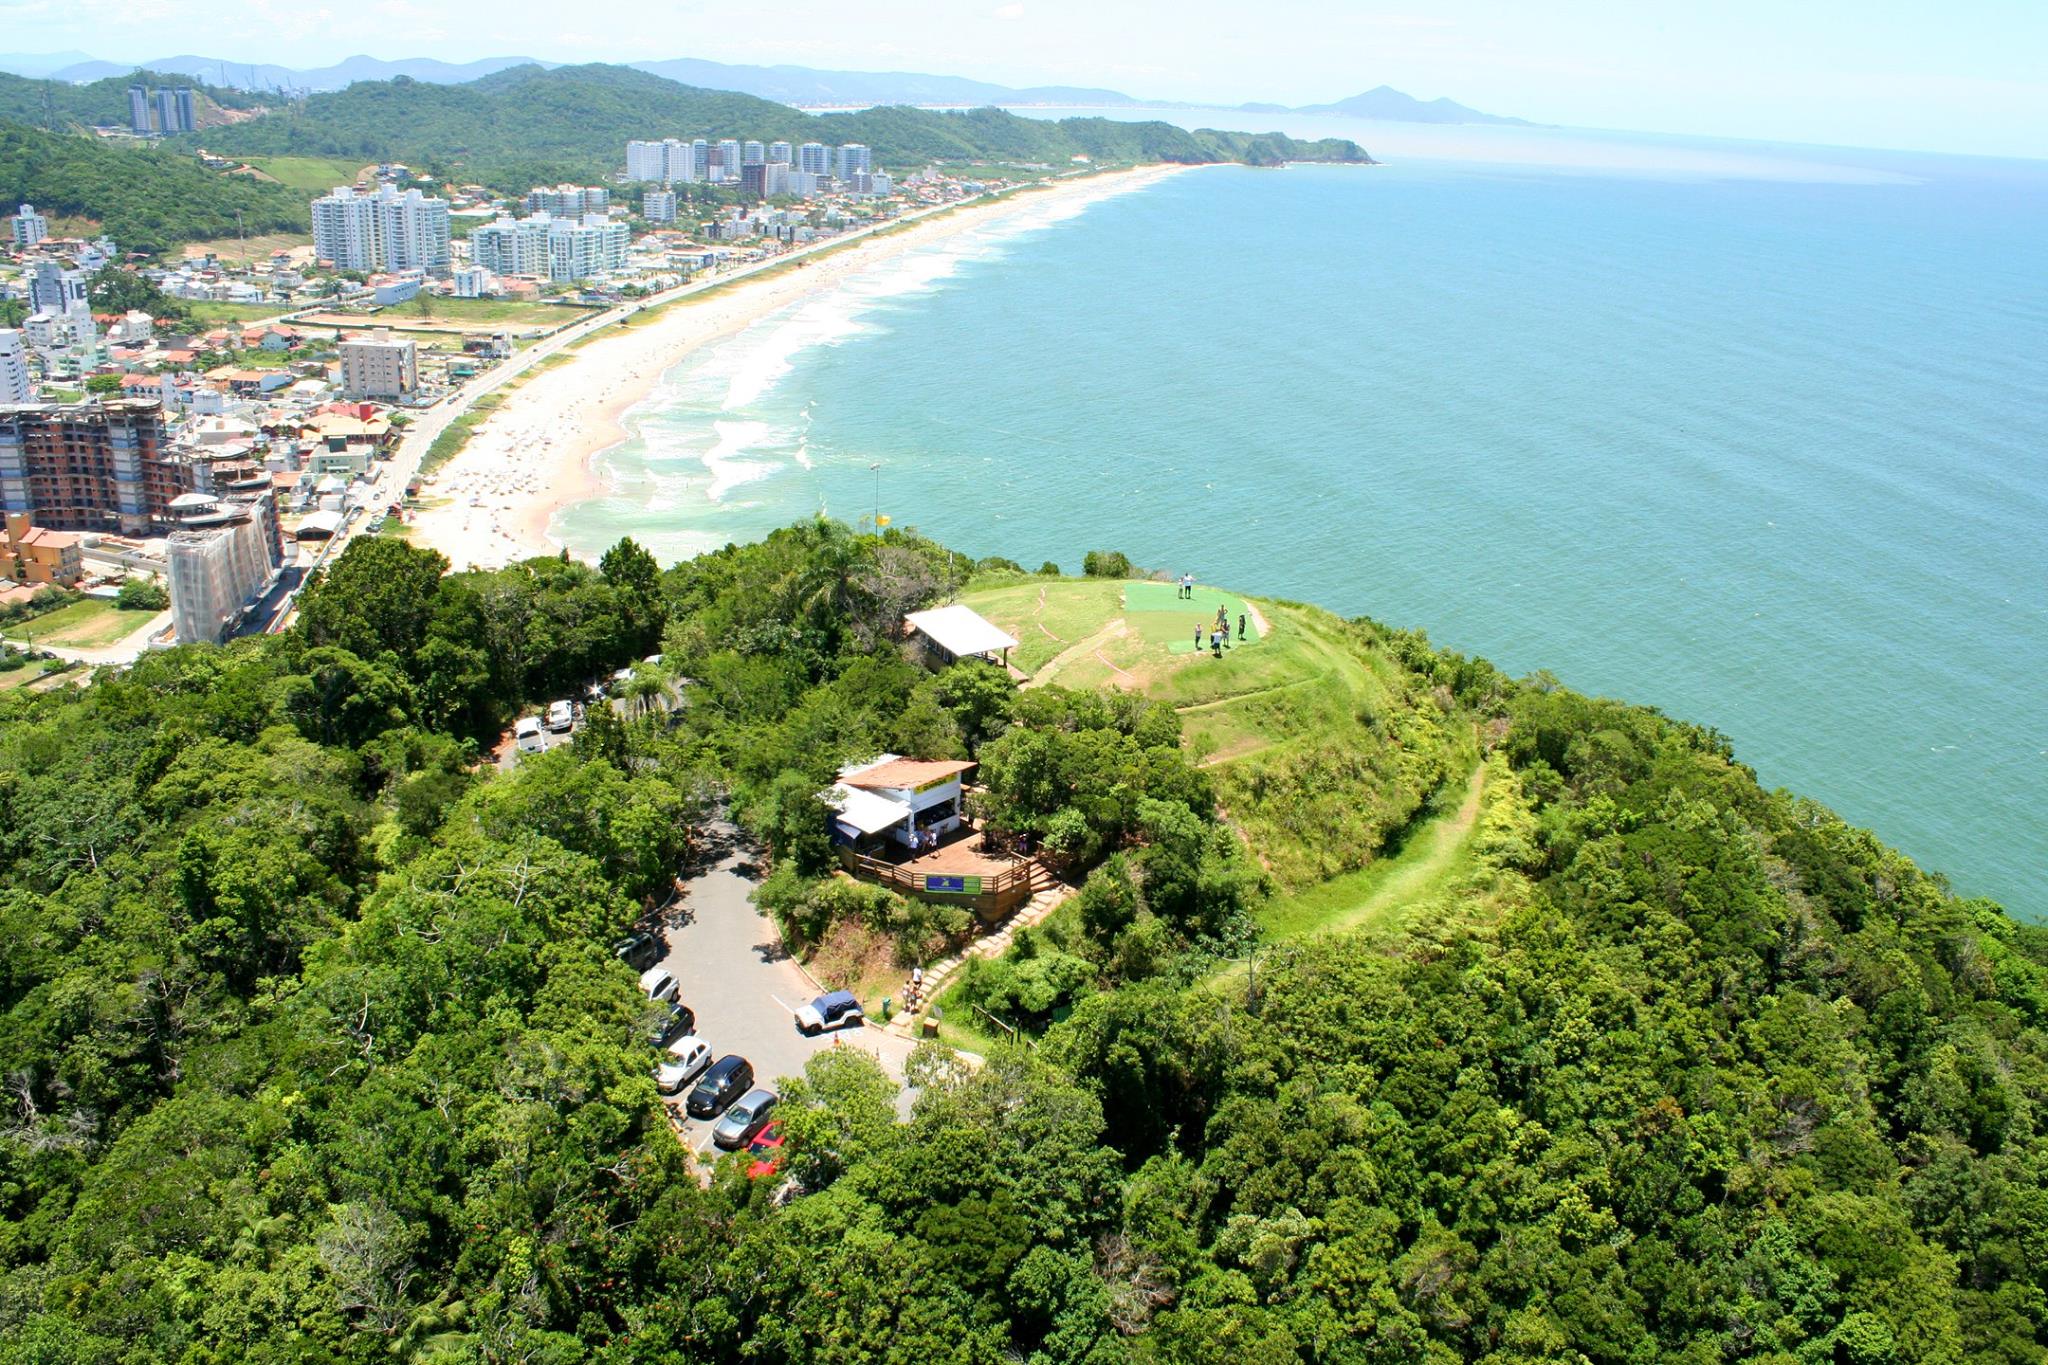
(939, 975)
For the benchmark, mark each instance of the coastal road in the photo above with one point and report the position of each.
(734, 972)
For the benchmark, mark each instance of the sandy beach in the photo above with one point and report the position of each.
(492, 503)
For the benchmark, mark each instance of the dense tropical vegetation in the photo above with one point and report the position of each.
(147, 198)
(526, 126)
(313, 1047)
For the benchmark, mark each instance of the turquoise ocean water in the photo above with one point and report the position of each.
(1755, 435)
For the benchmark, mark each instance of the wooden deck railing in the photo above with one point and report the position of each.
(995, 893)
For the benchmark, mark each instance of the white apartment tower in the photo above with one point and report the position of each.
(814, 158)
(30, 227)
(15, 386)
(384, 231)
(645, 160)
(138, 109)
(580, 251)
(658, 206)
(222, 555)
(780, 151)
(753, 154)
(512, 246)
(854, 159)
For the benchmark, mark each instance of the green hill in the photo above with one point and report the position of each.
(148, 197)
(103, 102)
(317, 1046)
(525, 125)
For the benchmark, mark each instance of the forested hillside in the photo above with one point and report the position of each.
(314, 1047)
(148, 198)
(60, 105)
(524, 126)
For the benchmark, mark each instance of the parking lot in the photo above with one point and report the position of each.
(728, 959)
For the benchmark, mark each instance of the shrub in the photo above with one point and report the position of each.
(142, 594)
(1106, 564)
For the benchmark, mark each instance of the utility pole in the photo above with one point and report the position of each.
(876, 467)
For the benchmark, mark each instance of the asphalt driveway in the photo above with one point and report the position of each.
(729, 961)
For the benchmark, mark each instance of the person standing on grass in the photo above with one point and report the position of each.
(1215, 644)
(1240, 625)
(1198, 637)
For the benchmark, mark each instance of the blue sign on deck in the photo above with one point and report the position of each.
(952, 884)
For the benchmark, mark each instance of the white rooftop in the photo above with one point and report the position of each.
(866, 811)
(960, 630)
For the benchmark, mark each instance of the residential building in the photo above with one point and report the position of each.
(754, 180)
(384, 231)
(814, 158)
(646, 161)
(780, 151)
(173, 111)
(472, 282)
(658, 206)
(379, 366)
(35, 554)
(15, 385)
(138, 109)
(30, 227)
(345, 230)
(871, 182)
(776, 180)
(100, 465)
(415, 231)
(728, 161)
(53, 289)
(188, 116)
(512, 246)
(581, 251)
(752, 154)
(224, 553)
(568, 201)
(854, 159)
(700, 159)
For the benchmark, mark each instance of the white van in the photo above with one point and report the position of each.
(527, 735)
(684, 1061)
(658, 984)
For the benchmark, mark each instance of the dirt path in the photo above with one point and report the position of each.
(1115, 629)
(1439, 846)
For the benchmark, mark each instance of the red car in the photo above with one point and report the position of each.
(766, 1149)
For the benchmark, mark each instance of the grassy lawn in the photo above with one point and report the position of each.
(215, 313)
(312, 175)
(1047, 615)
(1433, 855)
(256, 248)
(87, 624)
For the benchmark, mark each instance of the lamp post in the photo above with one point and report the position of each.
(876, 469)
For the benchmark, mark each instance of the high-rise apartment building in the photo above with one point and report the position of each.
(512, 246)
(225, 551)
(568, 201)
(379, 366)
(700, 159)
(62, 293)
(188, 114)
(29, 227)
(815, 158)
(854, 159)
(100, 465)
(581, 251)
(384, 231)
(166, 102)
(728, 160)
(15, 385)
(658, 206)
(752, 154)
(780, 151)
(644, 160)
(668, 161)
(138, 109)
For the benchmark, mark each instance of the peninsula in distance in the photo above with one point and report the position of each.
(720, 711)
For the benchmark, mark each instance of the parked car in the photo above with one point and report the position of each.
(658, 984)
(638, 949)
(835, 1010)
(527, 736)
(671, 1024)
(766, 1149)
(684, 1061)
(727, 1080)
(561, 716)
(748, 1116)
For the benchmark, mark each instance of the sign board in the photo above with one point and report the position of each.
(952, 884)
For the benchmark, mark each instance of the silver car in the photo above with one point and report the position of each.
(748, 1116)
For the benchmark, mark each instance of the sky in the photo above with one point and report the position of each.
(1953, 75)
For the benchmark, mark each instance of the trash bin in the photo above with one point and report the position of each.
(888, 1008)
(930, 1027)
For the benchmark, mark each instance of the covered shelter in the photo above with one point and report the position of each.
(950, 634)
(912, 803)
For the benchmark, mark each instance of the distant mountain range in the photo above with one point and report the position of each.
(797, 85)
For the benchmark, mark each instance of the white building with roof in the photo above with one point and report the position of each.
(949, 634)
(15, 384)
(29, 227)
(896, 798)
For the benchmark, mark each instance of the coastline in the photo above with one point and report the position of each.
(494, 502)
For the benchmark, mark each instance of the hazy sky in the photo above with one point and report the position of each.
(1964, 75)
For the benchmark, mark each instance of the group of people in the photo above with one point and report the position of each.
(1219, 632)
(924, 840)
(1186, 584)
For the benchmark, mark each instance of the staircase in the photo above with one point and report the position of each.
(1049, 893)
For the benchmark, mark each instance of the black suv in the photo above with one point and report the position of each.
(673, 1022)
(727, 1080)
(638, 950)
